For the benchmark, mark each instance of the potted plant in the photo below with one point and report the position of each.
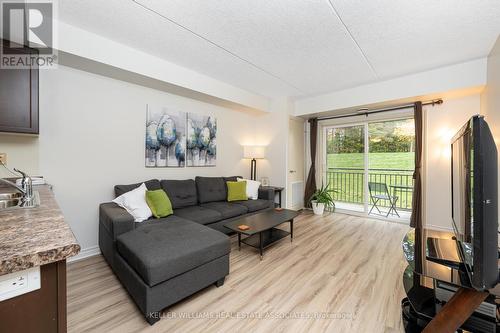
(321, 200)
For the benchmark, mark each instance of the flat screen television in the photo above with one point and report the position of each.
(474, 190)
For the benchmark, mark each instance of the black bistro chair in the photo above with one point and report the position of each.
(379, 191)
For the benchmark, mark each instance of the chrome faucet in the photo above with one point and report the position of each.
(26, 187)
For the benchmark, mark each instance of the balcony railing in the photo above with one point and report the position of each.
(347, 185)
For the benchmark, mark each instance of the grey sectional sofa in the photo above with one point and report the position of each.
(161, 261)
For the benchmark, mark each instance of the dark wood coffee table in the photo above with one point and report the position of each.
(263, 231)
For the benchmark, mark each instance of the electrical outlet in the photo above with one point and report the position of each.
(3, 158)
(18, 283)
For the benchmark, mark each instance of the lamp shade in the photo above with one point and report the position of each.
(254, 152)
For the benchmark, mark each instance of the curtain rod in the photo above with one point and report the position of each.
(394, 108)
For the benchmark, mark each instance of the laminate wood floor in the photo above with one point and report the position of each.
(341, 274)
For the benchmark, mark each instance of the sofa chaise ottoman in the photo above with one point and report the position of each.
(161, 261)
(164, 263)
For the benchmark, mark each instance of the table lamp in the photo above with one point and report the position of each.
(254, 153)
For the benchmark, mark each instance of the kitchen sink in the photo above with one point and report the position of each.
(10, 196)
(15, 200)
(9, 203)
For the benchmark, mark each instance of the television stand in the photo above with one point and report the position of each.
(444, 252)
(456, 311)
(439, 296)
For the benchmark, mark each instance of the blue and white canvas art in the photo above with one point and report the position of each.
(201, 140)
(165, 138)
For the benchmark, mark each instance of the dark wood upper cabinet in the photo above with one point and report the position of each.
(19, 98)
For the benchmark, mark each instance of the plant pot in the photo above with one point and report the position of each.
(318, 208)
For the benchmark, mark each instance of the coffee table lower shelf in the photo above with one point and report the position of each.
(269, 237)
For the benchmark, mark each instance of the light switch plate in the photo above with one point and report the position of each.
(3, 158)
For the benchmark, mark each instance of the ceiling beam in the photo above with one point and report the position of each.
(459, 76)
(87, 45)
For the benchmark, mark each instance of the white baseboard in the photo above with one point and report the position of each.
(86, 253)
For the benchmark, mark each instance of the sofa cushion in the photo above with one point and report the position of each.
(152, 184)
(164, 249)
(159, 203)
(154, 221)
(236, 191)
(232, 178)
(252, 188)
(199, 214)
(134, 202)
(254, 205)
(182, 193)
(227, 209)
(211, 189)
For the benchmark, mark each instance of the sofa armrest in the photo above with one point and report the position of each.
(266, 194)
(115, 219)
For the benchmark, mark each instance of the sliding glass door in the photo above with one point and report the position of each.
(369, 166)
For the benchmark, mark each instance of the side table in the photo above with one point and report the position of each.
(277, 190)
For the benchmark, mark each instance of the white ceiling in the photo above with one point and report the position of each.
(296, 47)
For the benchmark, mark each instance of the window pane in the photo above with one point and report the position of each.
(345, 147)
(392, 144)
(345, 166)
(391, 163)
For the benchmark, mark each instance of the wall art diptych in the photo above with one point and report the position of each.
(165, 138)
(179, 139)
(201, 140)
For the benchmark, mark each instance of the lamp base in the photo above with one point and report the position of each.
(253, 169)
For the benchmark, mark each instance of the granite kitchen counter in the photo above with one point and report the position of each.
(37, 236)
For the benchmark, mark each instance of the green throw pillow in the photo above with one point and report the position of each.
(159, 203)
(236, 191)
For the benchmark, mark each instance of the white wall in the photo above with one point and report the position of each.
(92, 137)
(22, 152)
(490, 99)
(272, 132)
(441, 123)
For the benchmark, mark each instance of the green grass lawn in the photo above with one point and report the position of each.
(350, 184)
(403, 161)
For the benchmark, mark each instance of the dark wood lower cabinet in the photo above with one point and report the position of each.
(42, 310)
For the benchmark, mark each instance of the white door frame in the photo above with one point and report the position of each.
(289, 182)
